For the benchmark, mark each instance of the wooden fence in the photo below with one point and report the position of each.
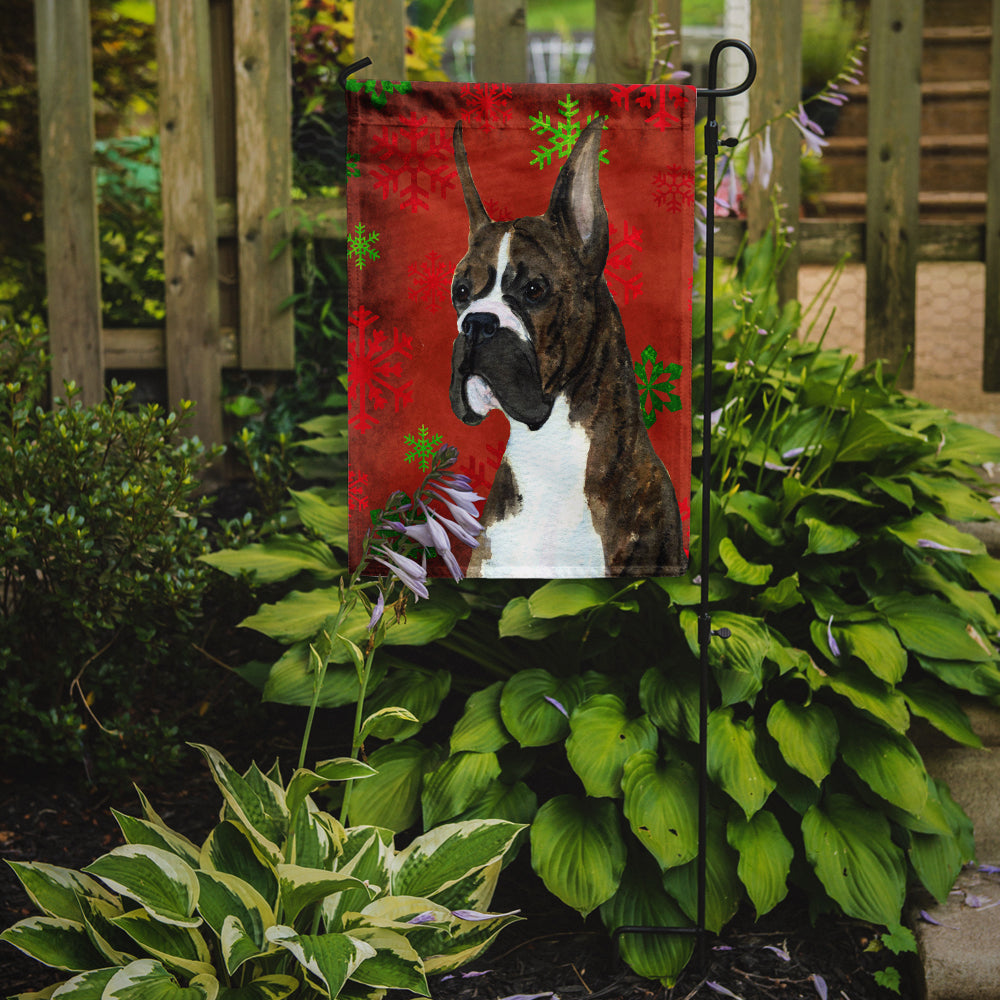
(226, 161)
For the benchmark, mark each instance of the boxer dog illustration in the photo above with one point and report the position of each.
(580, 490)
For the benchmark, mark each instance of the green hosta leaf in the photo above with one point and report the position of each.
(931, 628)
(602, 738)
(738, 569)
(965, 443)
(888, 763)
(927, 528)
(56, 891)
(304, 782)
(765, 858)
(758, 511)
(292, 680)
(957, 501)
(783, 595)
(391, 798)
(975, 605)
(558, 598)
(732, 760)
(456, 784)
(327, 520)
(260, 806)
(578, 851)
(870, 435)
(671, 699)
(438, 859)
(177, 947)
(516, 803)
(661, 799)
(279, 558)
(226, 898)
(395, 964)
(986, 572)
(876, 646)
(937, 859)
(850, 848)
(54, 941)
(230, 849)
(528, 710)
(301, 887)
(387, 723)
(866, 692)
(147, 979)
(641, 901)
(415, 689)
(828, 539)
(141, 831)
(807, 736)
(330, 959)
(275, 987)
(941, 709)
(481, 728)
(723, 889)
(738, 661)
(159, 881)
(517, 620)
(976, 678)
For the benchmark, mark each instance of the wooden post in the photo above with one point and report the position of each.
(501, 41)
(190, 254)
(262, 60)
(991, 333)
(380, 34)
(776, 35)
(621, 40)
(72, 255)
(893, 183)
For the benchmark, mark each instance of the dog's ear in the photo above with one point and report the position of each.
(576, 206)
(473, 203)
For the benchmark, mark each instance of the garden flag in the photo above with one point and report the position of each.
(520, 275)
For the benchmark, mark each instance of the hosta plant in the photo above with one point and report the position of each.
(279, 900)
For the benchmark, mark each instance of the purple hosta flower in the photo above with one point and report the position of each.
(558, 705)
(812, 134)
(475, 915)
(820, 983)
(760, 166)
(990, 869)
(427, 917)
(780, 952)
(459, 491)
(410, 572)
(831, 642)
(727, 198)
(377, 612)
(463, 517)
(927, 543)
(465, 975)
(719, 988)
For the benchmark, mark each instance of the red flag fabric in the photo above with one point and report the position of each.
(520, 272)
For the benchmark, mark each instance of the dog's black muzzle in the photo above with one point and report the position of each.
(503, 360)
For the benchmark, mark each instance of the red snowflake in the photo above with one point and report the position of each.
(374, 369)
(486, 104)
(618, 270)
(673, 188)
(650, 95)
(357, 486)
(414, 162)
(475, 467)
(431, 281)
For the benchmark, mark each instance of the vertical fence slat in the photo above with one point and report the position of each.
(991, 332)
(621, 40)
(892, 215)
(380, 34)
(72, 256)
(261, 57)
(501, 41)
(776, 35)
(190, 253)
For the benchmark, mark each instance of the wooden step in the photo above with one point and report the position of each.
(956, 53)
(957, 206)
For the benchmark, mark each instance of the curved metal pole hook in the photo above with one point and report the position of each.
(349, 70)
(712, 90)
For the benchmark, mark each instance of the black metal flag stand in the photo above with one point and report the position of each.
(705, 631)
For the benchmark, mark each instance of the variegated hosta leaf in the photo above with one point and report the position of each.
(225, 897)
(274, 987)
(54, 941)
(56, 891)
(315, 838)
(147, 979)
(256, 801)
(642, 902)
(850, 847)
(602, 737)
(466, 941)
(732, 760)
(367, 853)
(661, 799)
(116, 946)
(475, 891)
(177, 947)
(807, 736)
(765, 858)
(158, 880)
(481, 727)
(395, 964)
(86, 986)
(578, 851)
(230, 849)
(456, 784)
(141, 831)
(329, 959)
(300, 887)
(535, 706)
(441, 857)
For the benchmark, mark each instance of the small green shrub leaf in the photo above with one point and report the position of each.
(56, 942)
(141, 831)
(224, 897)
(765, 858)
(661, 799)
(535, 706)
(577, 850)
(866, 692)
(807, 736)
(783, 595)
(850, 848)
(481, 727)
(601, 739)
(732, 760)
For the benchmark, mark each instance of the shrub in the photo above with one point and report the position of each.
(99, 539)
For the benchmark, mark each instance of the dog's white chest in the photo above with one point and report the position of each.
(552, 533)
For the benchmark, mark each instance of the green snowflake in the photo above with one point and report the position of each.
(654, 388)
(361, 245)
(562, 134)
(353, 165)
(423, 447)
(378, 91)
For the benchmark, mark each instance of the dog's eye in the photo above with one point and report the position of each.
(534, 290)
(460, 292)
